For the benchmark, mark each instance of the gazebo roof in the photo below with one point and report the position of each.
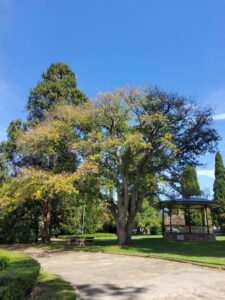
(190, 202)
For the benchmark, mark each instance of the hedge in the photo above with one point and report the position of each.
(4, 262)
(18, 276)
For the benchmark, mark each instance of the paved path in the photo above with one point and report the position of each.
(101, 276)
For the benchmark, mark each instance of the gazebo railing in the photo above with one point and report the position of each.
(188, 229)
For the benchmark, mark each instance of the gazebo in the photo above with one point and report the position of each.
(176, 219)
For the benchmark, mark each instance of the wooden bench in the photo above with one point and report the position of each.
(81, 241)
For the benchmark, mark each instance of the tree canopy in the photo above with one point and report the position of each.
(134, 137)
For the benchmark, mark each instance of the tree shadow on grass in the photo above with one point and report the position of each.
(140, 246)
(50, 286)
(183, 248)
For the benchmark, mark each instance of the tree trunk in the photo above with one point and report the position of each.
(124, 211)
(46, 218)
(36, 228)
(124, 231)
(36, 220)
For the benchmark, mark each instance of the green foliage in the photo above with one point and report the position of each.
(40, 186)
(3, 175)
(195, 217)
(37, 185)
(58, 85)
(9, 155)
(4, 262)
(92, 217)
(108, 224)
(219, 190)
(21, 225)
(149, 218)
(18, 279)
(189, 182)
(66, 215)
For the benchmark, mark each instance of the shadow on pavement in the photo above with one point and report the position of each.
(109, 291)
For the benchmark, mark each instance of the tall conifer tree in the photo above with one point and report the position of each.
(219, 190)
(190, 187)
(189, 182)
(58, 86)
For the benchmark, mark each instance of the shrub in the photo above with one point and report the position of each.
(18, 278)
(155, 230)
(4, 262)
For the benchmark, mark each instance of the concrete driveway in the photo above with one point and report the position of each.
(100, 276)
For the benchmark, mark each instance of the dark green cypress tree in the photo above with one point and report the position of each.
(219, 190)
(189, 182)
(190, 187)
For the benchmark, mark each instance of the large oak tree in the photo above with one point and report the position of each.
(141, 136)
(136, 137)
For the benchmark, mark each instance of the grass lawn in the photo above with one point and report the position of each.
(200, 252)
(210, 253)
(52, 287)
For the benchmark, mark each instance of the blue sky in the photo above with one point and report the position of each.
(178, 45)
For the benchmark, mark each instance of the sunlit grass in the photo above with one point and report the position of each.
(210, 253)
(53, 287)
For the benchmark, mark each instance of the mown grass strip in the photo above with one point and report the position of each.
(52, 287)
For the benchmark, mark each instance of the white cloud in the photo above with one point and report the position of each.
(206, 173)
(219, 117)
(216, 100)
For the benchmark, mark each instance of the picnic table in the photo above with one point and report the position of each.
(80, 241)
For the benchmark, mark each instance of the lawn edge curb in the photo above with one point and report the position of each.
(159, 257)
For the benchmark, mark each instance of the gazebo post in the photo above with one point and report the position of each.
(189, 221)
(203, 221)
(203, 218)
(171, 229)
(163, 225)
(207, 221)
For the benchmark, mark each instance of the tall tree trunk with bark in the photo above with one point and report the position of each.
(46, 218)
(36, 225)
(124, 232)
(125, 212)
